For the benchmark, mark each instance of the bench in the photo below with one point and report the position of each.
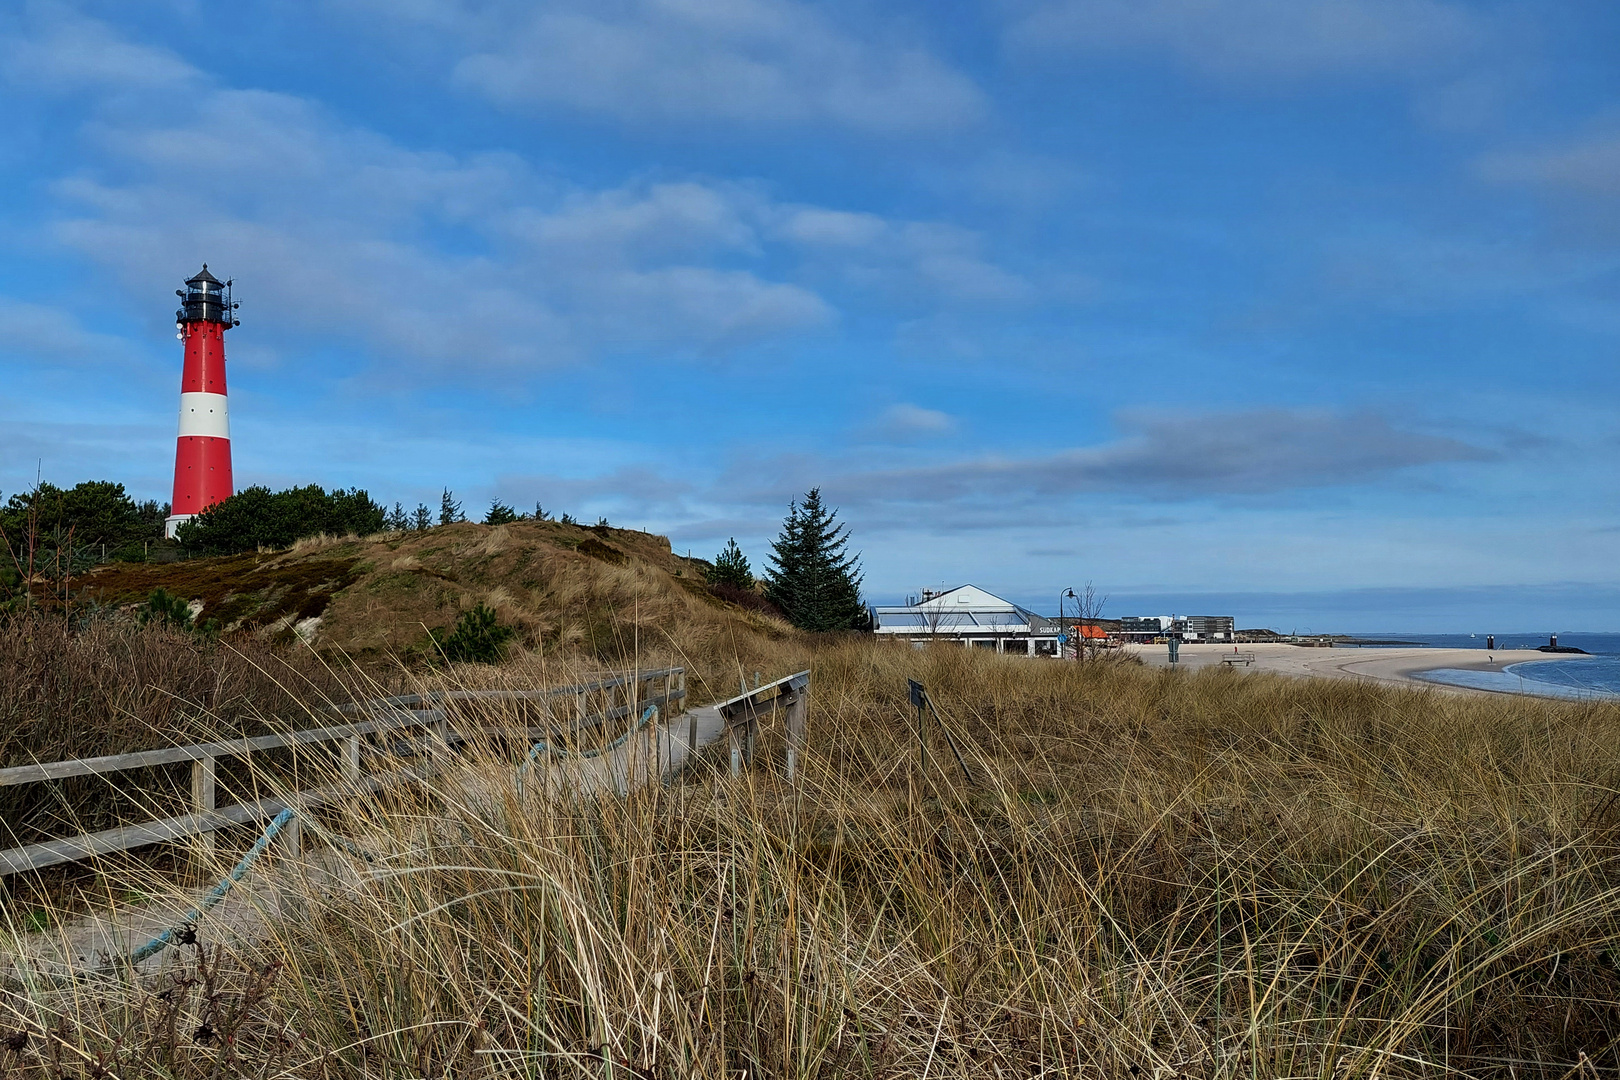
(1238, 658)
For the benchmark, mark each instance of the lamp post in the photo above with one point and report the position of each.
(1070, 594)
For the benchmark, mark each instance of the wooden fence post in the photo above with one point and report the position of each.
(351, 758)
(691, 735)
(292, 836)
(203, 787)
(796, 713)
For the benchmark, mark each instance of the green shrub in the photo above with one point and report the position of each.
(477, 638)
(164, 607)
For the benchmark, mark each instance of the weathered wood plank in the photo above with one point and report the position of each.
(388, 714)
(167, 830)
(140, 759)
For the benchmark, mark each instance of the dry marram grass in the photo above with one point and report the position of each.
(1149, 874)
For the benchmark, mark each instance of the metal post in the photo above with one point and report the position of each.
(736, 749)
(203, 787)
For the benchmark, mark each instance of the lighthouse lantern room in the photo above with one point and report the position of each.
(202, 456)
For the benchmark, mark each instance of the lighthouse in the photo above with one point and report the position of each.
(202, 453)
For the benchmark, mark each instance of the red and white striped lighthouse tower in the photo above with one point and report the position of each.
(202, 454)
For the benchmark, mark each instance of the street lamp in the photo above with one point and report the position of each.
(1070, 594)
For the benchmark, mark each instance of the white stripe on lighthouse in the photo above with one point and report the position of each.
(204, 414)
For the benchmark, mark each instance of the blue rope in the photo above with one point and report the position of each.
(165, 939)
(543, 747)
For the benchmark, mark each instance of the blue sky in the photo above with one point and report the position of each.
(1302, 310)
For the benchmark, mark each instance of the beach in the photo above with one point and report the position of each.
(1395, 664)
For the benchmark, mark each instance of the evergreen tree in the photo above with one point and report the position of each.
(258, 517)
(422, 520)
(398, 520)
(96, 516)
(731, 568)
(540, 513)
(449, 509)
(812, 579)
(499, 513)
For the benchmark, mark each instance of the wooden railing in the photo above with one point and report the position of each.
(583, 707)
(742, 714)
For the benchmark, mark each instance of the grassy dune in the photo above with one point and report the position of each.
(599, 593)
(1147, 874)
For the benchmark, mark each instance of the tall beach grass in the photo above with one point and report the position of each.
(1144, 874)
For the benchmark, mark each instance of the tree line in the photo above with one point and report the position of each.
(811, 579)
(52, 530)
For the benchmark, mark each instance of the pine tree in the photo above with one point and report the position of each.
(815, 583)
(731, 568)
(422, 520)
(499, 513)
(449, 509)
(398, 520)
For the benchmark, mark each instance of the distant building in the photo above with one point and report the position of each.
(971, 617)
(1209, 628)
(1147, 628)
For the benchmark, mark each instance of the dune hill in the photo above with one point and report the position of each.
(598, 593)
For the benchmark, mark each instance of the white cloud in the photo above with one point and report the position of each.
(329, 230)
(933, 258)
(51, 48)
(907, 421)
(758, 62)
(472, 261)
(1588, 164)
(1267, 37)
(37, 333)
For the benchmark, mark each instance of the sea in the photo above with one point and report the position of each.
(1580, 677)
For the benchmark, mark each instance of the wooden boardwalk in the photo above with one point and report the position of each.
(657, 754)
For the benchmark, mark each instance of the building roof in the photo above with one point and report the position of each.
(966, 609)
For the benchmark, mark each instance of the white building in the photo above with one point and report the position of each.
(969, 616)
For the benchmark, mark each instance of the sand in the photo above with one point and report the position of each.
(1377, 664)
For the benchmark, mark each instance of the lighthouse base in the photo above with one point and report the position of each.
(172, 523)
